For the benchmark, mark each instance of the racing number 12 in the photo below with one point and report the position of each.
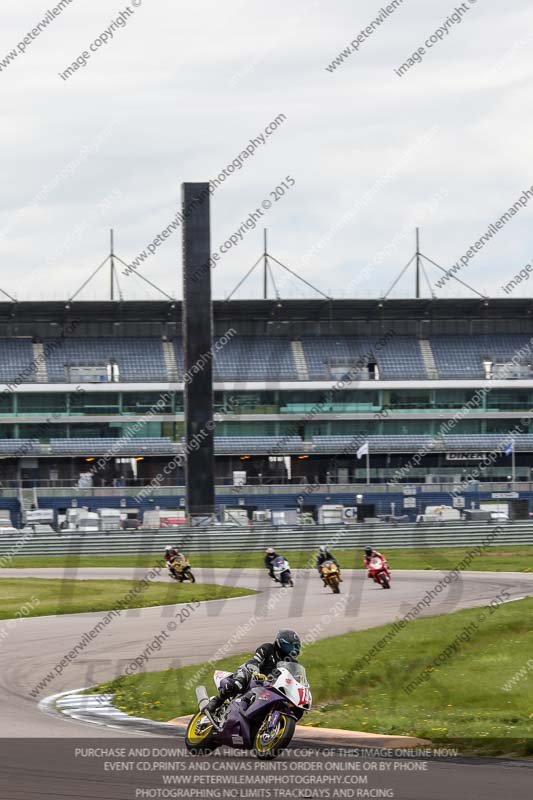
(304, 696)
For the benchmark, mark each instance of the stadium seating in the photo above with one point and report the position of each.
(276, 445)
(323, 351)
(401, 357)
(486, 441)
(268, 445)
(417, 443)
(382, 444)
(125, 446)
(463, 356)
(150, 446)
(271, 358)
(17, 362)
(397, 357)
(138, 359)
(255, 359)
(250, 358)
(20, 447)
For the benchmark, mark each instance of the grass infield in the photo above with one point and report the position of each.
(37, 597)
(493, 559)
(478, 699)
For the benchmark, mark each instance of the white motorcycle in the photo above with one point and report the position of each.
(282, 571)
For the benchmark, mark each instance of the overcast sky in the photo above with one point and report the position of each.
(179, 91)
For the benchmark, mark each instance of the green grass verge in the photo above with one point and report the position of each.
(496, 559)
(35, 597)
(462, 704)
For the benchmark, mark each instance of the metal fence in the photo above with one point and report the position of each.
(64, 488)
(196, 540)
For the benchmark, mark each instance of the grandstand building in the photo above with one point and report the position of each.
(92, 397)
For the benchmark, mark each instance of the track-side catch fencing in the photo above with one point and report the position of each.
(199, 540)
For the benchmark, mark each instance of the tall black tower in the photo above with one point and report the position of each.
(198, 354)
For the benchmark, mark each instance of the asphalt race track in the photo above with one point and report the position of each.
(31, 648)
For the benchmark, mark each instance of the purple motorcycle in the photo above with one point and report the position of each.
(262, 719)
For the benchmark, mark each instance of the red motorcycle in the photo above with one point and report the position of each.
(379, 571)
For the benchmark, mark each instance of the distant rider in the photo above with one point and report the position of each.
(370, 553)
(270, 557)
(171, 552)
(286, 647)
(324, 555)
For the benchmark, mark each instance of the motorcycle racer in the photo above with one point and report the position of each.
(324, 555)
(286, 647)
(369, 554)
(171, 552)
(270, 556)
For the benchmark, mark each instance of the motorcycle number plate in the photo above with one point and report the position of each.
(303, 696)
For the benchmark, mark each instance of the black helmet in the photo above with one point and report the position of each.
(368, 551)
(288, 643)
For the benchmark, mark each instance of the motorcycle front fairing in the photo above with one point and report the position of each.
(247, 712)
(284, 693)
(377, 565)
(280, 565)
(288, 689)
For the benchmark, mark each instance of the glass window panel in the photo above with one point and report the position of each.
(42, 403)
(94, 403)
(141, 402)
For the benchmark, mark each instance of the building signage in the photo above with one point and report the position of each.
(465, 456)
(349, 512)
(505, 495)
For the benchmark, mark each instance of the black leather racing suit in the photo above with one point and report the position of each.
(264, 660)
(321, 557)
(269, 560)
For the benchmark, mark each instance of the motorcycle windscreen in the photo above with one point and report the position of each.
(292, 682)
(297, 671)
(219, 676)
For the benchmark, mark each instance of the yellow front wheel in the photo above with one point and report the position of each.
(199, 735)
(268, 743)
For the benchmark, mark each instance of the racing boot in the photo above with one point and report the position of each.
(211, 709)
